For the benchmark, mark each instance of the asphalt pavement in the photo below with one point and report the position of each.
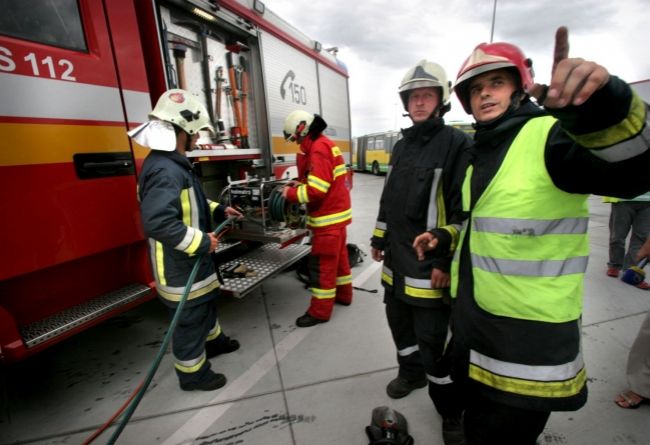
(299, 386)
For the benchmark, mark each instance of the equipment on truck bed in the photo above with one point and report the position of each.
(268, 217)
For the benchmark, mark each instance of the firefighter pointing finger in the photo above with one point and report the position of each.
(322, 187)
(177, 219)
(518, 271)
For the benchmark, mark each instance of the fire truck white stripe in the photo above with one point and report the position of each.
(138, 106)
(34, 97)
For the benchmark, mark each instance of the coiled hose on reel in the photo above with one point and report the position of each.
(281, 210)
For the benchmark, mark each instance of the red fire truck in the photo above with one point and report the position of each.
(75, 75)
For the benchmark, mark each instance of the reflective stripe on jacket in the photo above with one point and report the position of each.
(413, 288)
(419, 191)
(176, 217)
(325, 188)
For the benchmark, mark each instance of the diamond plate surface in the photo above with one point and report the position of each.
(267, 260)
(55, 325)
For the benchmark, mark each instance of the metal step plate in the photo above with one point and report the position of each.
(266, 261)
(64, 321)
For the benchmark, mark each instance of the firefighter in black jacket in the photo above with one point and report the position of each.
(417, 194)
(177, 217)
(518, 272)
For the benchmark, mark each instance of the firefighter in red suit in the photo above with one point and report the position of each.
(323, 187)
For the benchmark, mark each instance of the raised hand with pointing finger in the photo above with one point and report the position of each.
(573, 80)
(518, 270)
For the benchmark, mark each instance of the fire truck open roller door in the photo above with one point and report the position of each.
(65, 109)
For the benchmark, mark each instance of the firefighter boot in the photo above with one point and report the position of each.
(211, 382)
(220, 345)
(400, 387)
(452, 431)
(305, 321)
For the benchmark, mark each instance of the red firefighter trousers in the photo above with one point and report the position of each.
(330, 278)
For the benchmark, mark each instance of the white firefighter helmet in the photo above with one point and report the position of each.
(296, 125)
(423, 75)
(174, 107)
(180, 108)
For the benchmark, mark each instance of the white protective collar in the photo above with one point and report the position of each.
(155, 134)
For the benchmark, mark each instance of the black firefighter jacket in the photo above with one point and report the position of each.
(418, 192)
(176, 217)
(573, 169)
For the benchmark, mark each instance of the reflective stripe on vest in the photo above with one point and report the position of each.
(528, 243)
(563, 380)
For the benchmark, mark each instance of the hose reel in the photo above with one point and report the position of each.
(267, 215)
(281, 210)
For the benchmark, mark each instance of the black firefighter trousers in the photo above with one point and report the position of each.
(420, 334)
(189, 337)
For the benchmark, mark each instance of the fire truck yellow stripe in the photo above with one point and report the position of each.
(29, 144)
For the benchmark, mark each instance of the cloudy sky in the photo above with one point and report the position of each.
(379, 40)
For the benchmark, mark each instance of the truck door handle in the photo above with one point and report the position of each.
(102, 165)
(107, 165)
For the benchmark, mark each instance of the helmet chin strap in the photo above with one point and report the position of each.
(188, 142)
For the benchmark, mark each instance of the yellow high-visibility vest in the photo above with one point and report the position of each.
(529, 244)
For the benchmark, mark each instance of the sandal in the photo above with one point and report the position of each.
(630, 400)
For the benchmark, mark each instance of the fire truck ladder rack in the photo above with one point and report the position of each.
(56, 325)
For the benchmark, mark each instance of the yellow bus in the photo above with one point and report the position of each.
(371, 152)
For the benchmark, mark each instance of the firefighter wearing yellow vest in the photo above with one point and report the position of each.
(177, 219)
(322, 185)
(517, 274)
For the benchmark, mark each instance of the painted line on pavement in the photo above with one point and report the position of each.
(367, 273)
(206, 417)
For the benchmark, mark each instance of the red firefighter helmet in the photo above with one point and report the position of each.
(489, 57)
